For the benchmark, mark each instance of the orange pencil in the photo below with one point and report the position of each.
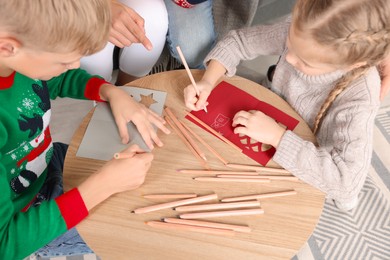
(185, 133)
(261, 196)
(175, 204)
(231, 205)
(256, 168)
(216, 179)
(170, 196)
(207, 230)
(211, 149)
(187, 171)
(202, 223)
(213, 131)
(214, 214)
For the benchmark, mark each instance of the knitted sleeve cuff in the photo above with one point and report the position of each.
(287, 152)
(222, 56)
(93, 88)
(72, 207)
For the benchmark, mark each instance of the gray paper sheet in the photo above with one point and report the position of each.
(101, 140)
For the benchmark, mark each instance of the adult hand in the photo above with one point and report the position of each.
(127, 27)
(258, 126)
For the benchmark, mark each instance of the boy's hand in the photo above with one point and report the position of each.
(125, 109)
(192, 101)
(117, 175)
(258, 126)
(127, 27)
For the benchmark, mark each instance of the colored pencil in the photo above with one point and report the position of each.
(215, 214)
(185, 133)
(216, 179)
(271, 177)
(201, 229)
(183, 60)
(123, 155)
(231, 205)
(256, 168)
(211, 149)
(188, 171)
(189, 146)
(261, 196)
(237, 228)
(213, 131)
(170, 196)
(175, 204)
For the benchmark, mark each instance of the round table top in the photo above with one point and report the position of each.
(114, 232)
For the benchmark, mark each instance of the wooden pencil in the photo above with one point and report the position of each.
(215, 214)
(271, 177)
(216, 172)
(229, 205)
(170, 196)
(183, 60)
(256, 168)
(201, 229)
(211, 149)
(261, 196)
(189, 146)
(123, 155)
(173, 204)
(201, 223)
(216, 179)
(214, 132)
(185, 133)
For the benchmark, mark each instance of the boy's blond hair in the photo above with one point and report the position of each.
(57, 25)
(357, 31)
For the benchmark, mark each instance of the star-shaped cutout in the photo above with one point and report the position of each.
(147, 100)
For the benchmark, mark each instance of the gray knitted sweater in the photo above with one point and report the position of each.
(340, 164)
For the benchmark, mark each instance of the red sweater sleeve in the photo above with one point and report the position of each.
(72, 207)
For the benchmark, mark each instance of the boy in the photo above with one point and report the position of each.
(41, 43)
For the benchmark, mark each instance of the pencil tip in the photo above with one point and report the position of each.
(132, 211)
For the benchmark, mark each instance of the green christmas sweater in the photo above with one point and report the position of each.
(25, 151)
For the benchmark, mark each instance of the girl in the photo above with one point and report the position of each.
(327, 72)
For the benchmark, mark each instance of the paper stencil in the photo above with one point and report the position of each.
(224, 102)
(102, 140)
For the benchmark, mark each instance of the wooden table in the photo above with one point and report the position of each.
(113, 232)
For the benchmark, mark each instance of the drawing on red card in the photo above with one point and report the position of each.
(220, 121)
(224, 102)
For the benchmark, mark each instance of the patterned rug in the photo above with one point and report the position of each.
(362, 233)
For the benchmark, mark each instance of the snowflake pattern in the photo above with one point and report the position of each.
(28, 103)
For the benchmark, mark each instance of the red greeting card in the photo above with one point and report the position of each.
(224, 102)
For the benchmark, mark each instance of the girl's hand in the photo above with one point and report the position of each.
(125, 109)
(192, 101)
(258, 126)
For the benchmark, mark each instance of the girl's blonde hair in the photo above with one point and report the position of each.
(358, 31)
(57, 25)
